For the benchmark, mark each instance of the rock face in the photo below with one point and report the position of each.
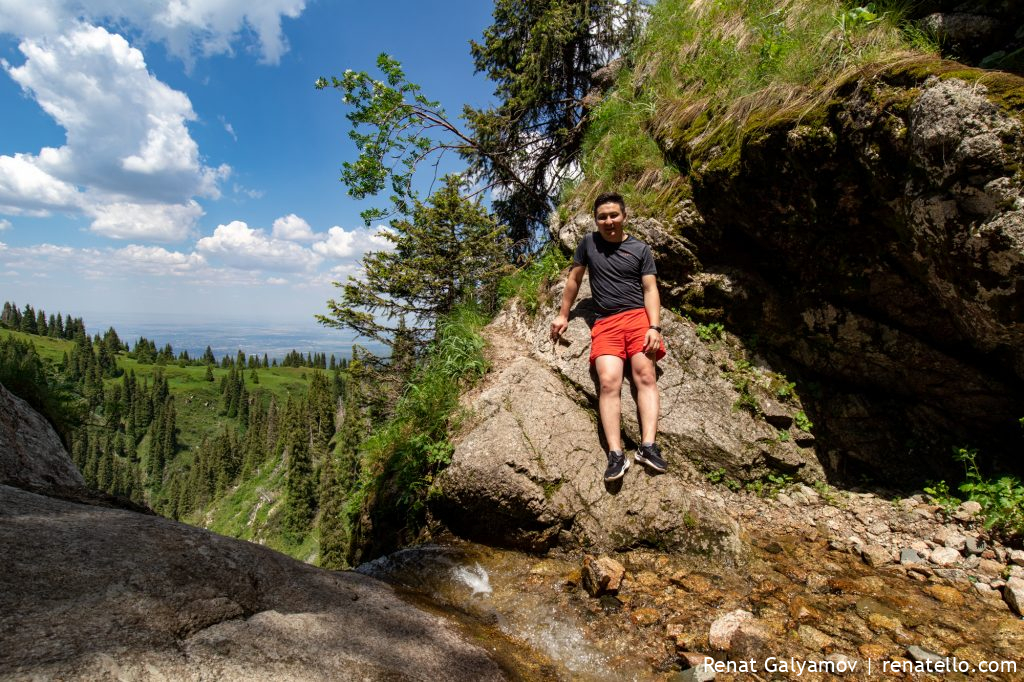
(32, 455)
(528, 471)
(94, 593)
(875, 248)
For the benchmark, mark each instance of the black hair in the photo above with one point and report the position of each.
(609, 198)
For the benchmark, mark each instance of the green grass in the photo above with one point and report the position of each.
(529, 283)
(705, 73)
(399, 460)
(50, 350)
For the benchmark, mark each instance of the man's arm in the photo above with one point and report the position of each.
(652, 304)
(572, 287)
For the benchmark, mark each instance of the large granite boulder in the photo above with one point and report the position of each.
(31, 454)
(528, 469)
(90, 592)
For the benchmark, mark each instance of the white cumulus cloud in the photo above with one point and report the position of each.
(240, 246)
(189, 28)
(339, 243)
(293, 228)
(127, 140)
(4, 225)
(152, 222)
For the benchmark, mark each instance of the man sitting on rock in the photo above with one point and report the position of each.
(625, 292)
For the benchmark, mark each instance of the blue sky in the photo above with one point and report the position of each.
(172, 157)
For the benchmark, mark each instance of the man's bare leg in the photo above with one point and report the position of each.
(648, 400)
(609, 374)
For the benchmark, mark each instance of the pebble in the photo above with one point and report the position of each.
(875, 555)
(948, 537)
(1013, 595)
(944, 556)
(722, 630)
(975, 546)
(916, 653)
(1016, 556)
(783, 498)
(910, 556)
(878, 528)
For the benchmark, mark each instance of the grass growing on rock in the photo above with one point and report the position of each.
(705, 72)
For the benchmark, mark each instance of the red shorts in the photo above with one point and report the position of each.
(622, 335)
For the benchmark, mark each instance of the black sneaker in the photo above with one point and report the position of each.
(650, 456)
(617, 465)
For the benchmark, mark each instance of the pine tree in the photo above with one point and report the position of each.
(209, 373)
(300, 503)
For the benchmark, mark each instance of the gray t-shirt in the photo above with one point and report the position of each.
(615, 271)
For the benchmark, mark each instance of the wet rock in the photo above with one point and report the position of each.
(813, 638)
(917, 653)
(945, 594)
(644, 616)
(1013, 595)
(725, 628)
(602, 575)
(944, 556)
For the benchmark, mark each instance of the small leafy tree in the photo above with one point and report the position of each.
(449, 250)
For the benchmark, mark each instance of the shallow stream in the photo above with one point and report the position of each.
(809, 604)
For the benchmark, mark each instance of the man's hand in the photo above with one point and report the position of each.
(652, 341)
(559, 325)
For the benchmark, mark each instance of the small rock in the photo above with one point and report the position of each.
(875, 555)
(813, 638)
(1013, 595)
(967, 511)
(950, 538)
(807, 491)
(798, 497)
(1016, 556)
(841, 660)
(1016, 572)
(921, 547)
(952, 574)
(975, 546)
(725, 628)
(972, 562)
(910, 556)
(916, 653)
(601, 576)
(878, 528)
(983, 588)
(644, 616)
(990, 568)
(784, 499)
(816, 582)
(944, 556)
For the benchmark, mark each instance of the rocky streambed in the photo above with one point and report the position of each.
(832, 585)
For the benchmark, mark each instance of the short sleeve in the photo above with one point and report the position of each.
(579, 257)
(647, 266)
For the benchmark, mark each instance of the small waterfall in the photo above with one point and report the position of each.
(475, 577)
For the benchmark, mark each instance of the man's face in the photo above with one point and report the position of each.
(609, 218)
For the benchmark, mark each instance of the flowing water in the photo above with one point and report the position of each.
(531, 614)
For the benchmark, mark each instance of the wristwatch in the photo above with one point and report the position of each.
(655, 328)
